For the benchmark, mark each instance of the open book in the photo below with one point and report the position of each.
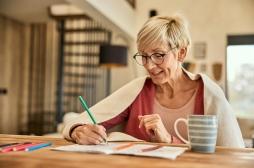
(121, 137)
(148, 150)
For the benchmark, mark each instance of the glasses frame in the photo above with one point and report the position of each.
(151, 57)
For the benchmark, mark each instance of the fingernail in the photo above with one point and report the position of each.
(105, 140)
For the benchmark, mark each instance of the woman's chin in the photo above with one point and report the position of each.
(157, 80)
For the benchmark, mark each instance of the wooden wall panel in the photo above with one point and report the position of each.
(42, 78)
(28, 69)
(24, 82)
(2, 72)
(11, 55)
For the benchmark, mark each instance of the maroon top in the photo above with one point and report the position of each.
(142, 105)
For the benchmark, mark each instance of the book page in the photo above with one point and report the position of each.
(119, 137)
(101, 148)
(147, 150)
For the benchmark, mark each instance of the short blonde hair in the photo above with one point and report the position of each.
(160, 29)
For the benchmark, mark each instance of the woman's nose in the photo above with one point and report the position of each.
(149, 64)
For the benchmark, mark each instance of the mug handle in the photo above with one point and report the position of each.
(176, 130)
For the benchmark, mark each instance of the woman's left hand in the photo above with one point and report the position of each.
(154, 128)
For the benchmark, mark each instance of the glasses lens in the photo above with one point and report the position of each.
(157, 58)
(140, 59)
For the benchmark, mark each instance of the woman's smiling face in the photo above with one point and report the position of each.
(161, 73)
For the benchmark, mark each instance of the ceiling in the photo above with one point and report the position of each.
(36, 11)
(27, 10)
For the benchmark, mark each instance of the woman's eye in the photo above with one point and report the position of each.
(158, 55)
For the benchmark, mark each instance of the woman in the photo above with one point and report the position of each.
(149, 105)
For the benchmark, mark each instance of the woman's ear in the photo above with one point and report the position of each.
(182, 54)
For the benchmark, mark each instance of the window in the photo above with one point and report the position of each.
(240, 75)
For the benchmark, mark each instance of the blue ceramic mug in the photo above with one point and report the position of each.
(202, 132)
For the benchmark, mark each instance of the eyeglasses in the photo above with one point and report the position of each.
(157, 58)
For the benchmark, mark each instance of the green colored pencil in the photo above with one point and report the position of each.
(84, 105)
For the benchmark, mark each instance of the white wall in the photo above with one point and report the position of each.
(115, 14)
(119, 12)
(210, 21)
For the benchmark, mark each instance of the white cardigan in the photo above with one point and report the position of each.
(215, 103)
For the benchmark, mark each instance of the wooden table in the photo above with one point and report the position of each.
(223, 157)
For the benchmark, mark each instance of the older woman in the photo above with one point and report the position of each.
(150, 105)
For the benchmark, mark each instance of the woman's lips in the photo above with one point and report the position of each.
(155, 73)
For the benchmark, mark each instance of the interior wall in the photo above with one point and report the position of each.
(43, 60)
(51, 71)
(28, 11)
(13, 49)
(15, 10)
(122, 75)
(120, 18)
(121, 15)
(15, 73)
(113, 14)
(210, 21)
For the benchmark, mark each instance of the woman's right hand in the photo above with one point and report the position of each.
(89, 134)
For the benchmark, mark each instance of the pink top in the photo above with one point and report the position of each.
(142, 105)
(170, 115)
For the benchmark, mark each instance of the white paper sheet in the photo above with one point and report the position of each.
(133, 149)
